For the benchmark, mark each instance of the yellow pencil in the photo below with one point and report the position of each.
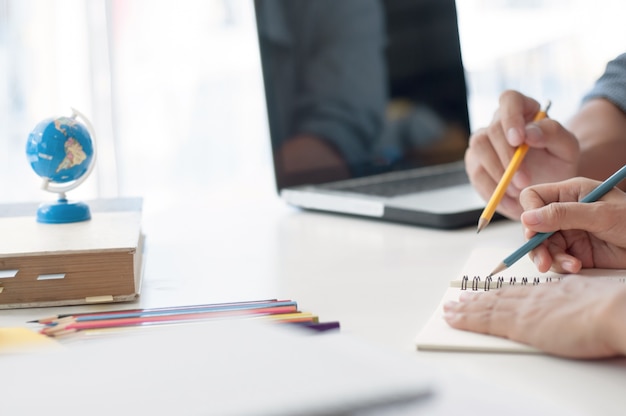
(498, 193)
(292, 317)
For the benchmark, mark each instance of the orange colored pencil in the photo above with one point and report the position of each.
(513, 166)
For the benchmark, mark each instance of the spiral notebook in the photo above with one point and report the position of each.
(437, 335)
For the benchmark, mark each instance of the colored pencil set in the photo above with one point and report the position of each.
(280, 311)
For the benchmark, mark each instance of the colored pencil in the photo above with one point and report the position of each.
(69, 323)
(319, 326)
(316, 327)
(293, 317)
(173, 309)
(513, 166)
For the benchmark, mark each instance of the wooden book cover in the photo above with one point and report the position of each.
(99, 260)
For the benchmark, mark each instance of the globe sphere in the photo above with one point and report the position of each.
(60, 150)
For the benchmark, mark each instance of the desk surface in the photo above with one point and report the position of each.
(381, 281)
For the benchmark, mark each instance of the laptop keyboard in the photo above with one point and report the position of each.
(405, 183)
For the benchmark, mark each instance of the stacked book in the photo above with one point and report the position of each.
(94, 261)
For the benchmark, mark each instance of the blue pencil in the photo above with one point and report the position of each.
(538, 238)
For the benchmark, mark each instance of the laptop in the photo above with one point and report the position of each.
(367, 108)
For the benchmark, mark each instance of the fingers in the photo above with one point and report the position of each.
(514, 112)
(572, 190)
(555, 206)
(565, 216)
(489, 151)
(485, 168)
(562, 144)
(542, 258)
(586, 234)
(569, 318)
(486, 312)
(563, 262)
(553, 255)
(553, 156)
(509, 206)
(494, 146)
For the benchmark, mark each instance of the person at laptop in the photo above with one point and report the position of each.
(329, 76)
(592, 144)
(580, 317)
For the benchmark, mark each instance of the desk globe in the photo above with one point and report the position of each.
(62, 152)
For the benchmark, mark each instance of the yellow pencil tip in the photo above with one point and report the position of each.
(482, 223)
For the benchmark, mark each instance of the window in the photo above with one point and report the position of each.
(175, 92)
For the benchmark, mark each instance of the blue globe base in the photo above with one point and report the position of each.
(62, 212)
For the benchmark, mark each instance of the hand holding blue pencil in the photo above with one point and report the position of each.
(593, 196)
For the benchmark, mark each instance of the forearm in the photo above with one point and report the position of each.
(600, 128)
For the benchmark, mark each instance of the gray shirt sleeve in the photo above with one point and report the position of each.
(612, 84)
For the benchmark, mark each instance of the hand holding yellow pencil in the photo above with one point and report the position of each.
(513, 166)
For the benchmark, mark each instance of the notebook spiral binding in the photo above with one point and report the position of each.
(489, 283)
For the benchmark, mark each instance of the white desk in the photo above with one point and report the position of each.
(381, 281)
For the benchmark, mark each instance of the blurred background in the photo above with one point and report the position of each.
(174, 89)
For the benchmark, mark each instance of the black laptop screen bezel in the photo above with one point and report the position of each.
(441, 42)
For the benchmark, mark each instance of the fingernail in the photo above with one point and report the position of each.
(513, 191)
(511, 206)
(514, 137)
(533, 132)
(537, 261)
(449, 316)
(569, 266)
(532, 217)
(528, 233)
(520, 180)
(449, 306)
(465, 296)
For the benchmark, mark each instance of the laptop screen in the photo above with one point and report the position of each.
(360, 87)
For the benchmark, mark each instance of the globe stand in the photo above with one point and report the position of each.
(63, 211)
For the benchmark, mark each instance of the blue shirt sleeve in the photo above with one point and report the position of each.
(612, 84)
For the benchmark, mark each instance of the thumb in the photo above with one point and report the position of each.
(551, 135)
(563, 216)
